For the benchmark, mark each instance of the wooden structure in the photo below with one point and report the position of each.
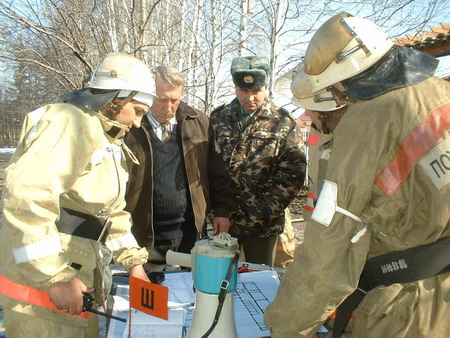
(435, 42)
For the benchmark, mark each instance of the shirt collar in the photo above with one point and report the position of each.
(155, 124)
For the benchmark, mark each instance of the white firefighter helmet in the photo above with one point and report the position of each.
(342, 47)
(292, 85)
(124, 72)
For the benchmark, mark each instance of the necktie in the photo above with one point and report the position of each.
(165, 131)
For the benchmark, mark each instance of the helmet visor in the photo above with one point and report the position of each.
(282, 85)
(90, 98)
(326, 44)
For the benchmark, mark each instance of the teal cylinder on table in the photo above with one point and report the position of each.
(211, 264)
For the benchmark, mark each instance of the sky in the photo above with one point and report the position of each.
(444, 66)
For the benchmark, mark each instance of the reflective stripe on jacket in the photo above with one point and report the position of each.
(29, 295)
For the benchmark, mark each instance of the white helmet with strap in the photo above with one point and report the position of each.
(124, 72)
(342, 47)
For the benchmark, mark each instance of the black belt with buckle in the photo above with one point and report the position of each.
(404, 266)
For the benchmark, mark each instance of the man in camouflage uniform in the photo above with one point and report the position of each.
(264, 153)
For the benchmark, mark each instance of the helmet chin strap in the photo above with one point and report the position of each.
(330, 119)
(111, 110)
(323, 117)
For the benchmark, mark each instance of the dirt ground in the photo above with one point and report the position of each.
(296, 209)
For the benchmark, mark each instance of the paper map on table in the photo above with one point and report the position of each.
(254, 291)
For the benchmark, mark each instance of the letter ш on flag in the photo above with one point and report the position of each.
(149, 298)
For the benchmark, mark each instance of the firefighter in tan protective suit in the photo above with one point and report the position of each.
(63, 204)
(378, 239)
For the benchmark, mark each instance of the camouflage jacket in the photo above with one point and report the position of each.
(266, 162)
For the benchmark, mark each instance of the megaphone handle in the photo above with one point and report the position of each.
(178, 258)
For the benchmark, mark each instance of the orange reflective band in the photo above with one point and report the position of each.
(313, 139)
(29, 295)
(412, 149)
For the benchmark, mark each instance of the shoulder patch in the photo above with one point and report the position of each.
(436, 164)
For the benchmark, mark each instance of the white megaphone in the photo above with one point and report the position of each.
(214, 268)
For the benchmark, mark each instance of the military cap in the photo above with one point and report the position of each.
(250, 72)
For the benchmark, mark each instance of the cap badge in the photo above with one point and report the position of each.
(248, 79)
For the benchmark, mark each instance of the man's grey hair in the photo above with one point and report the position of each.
(169, 75)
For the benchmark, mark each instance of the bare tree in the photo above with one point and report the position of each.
(60, 41)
